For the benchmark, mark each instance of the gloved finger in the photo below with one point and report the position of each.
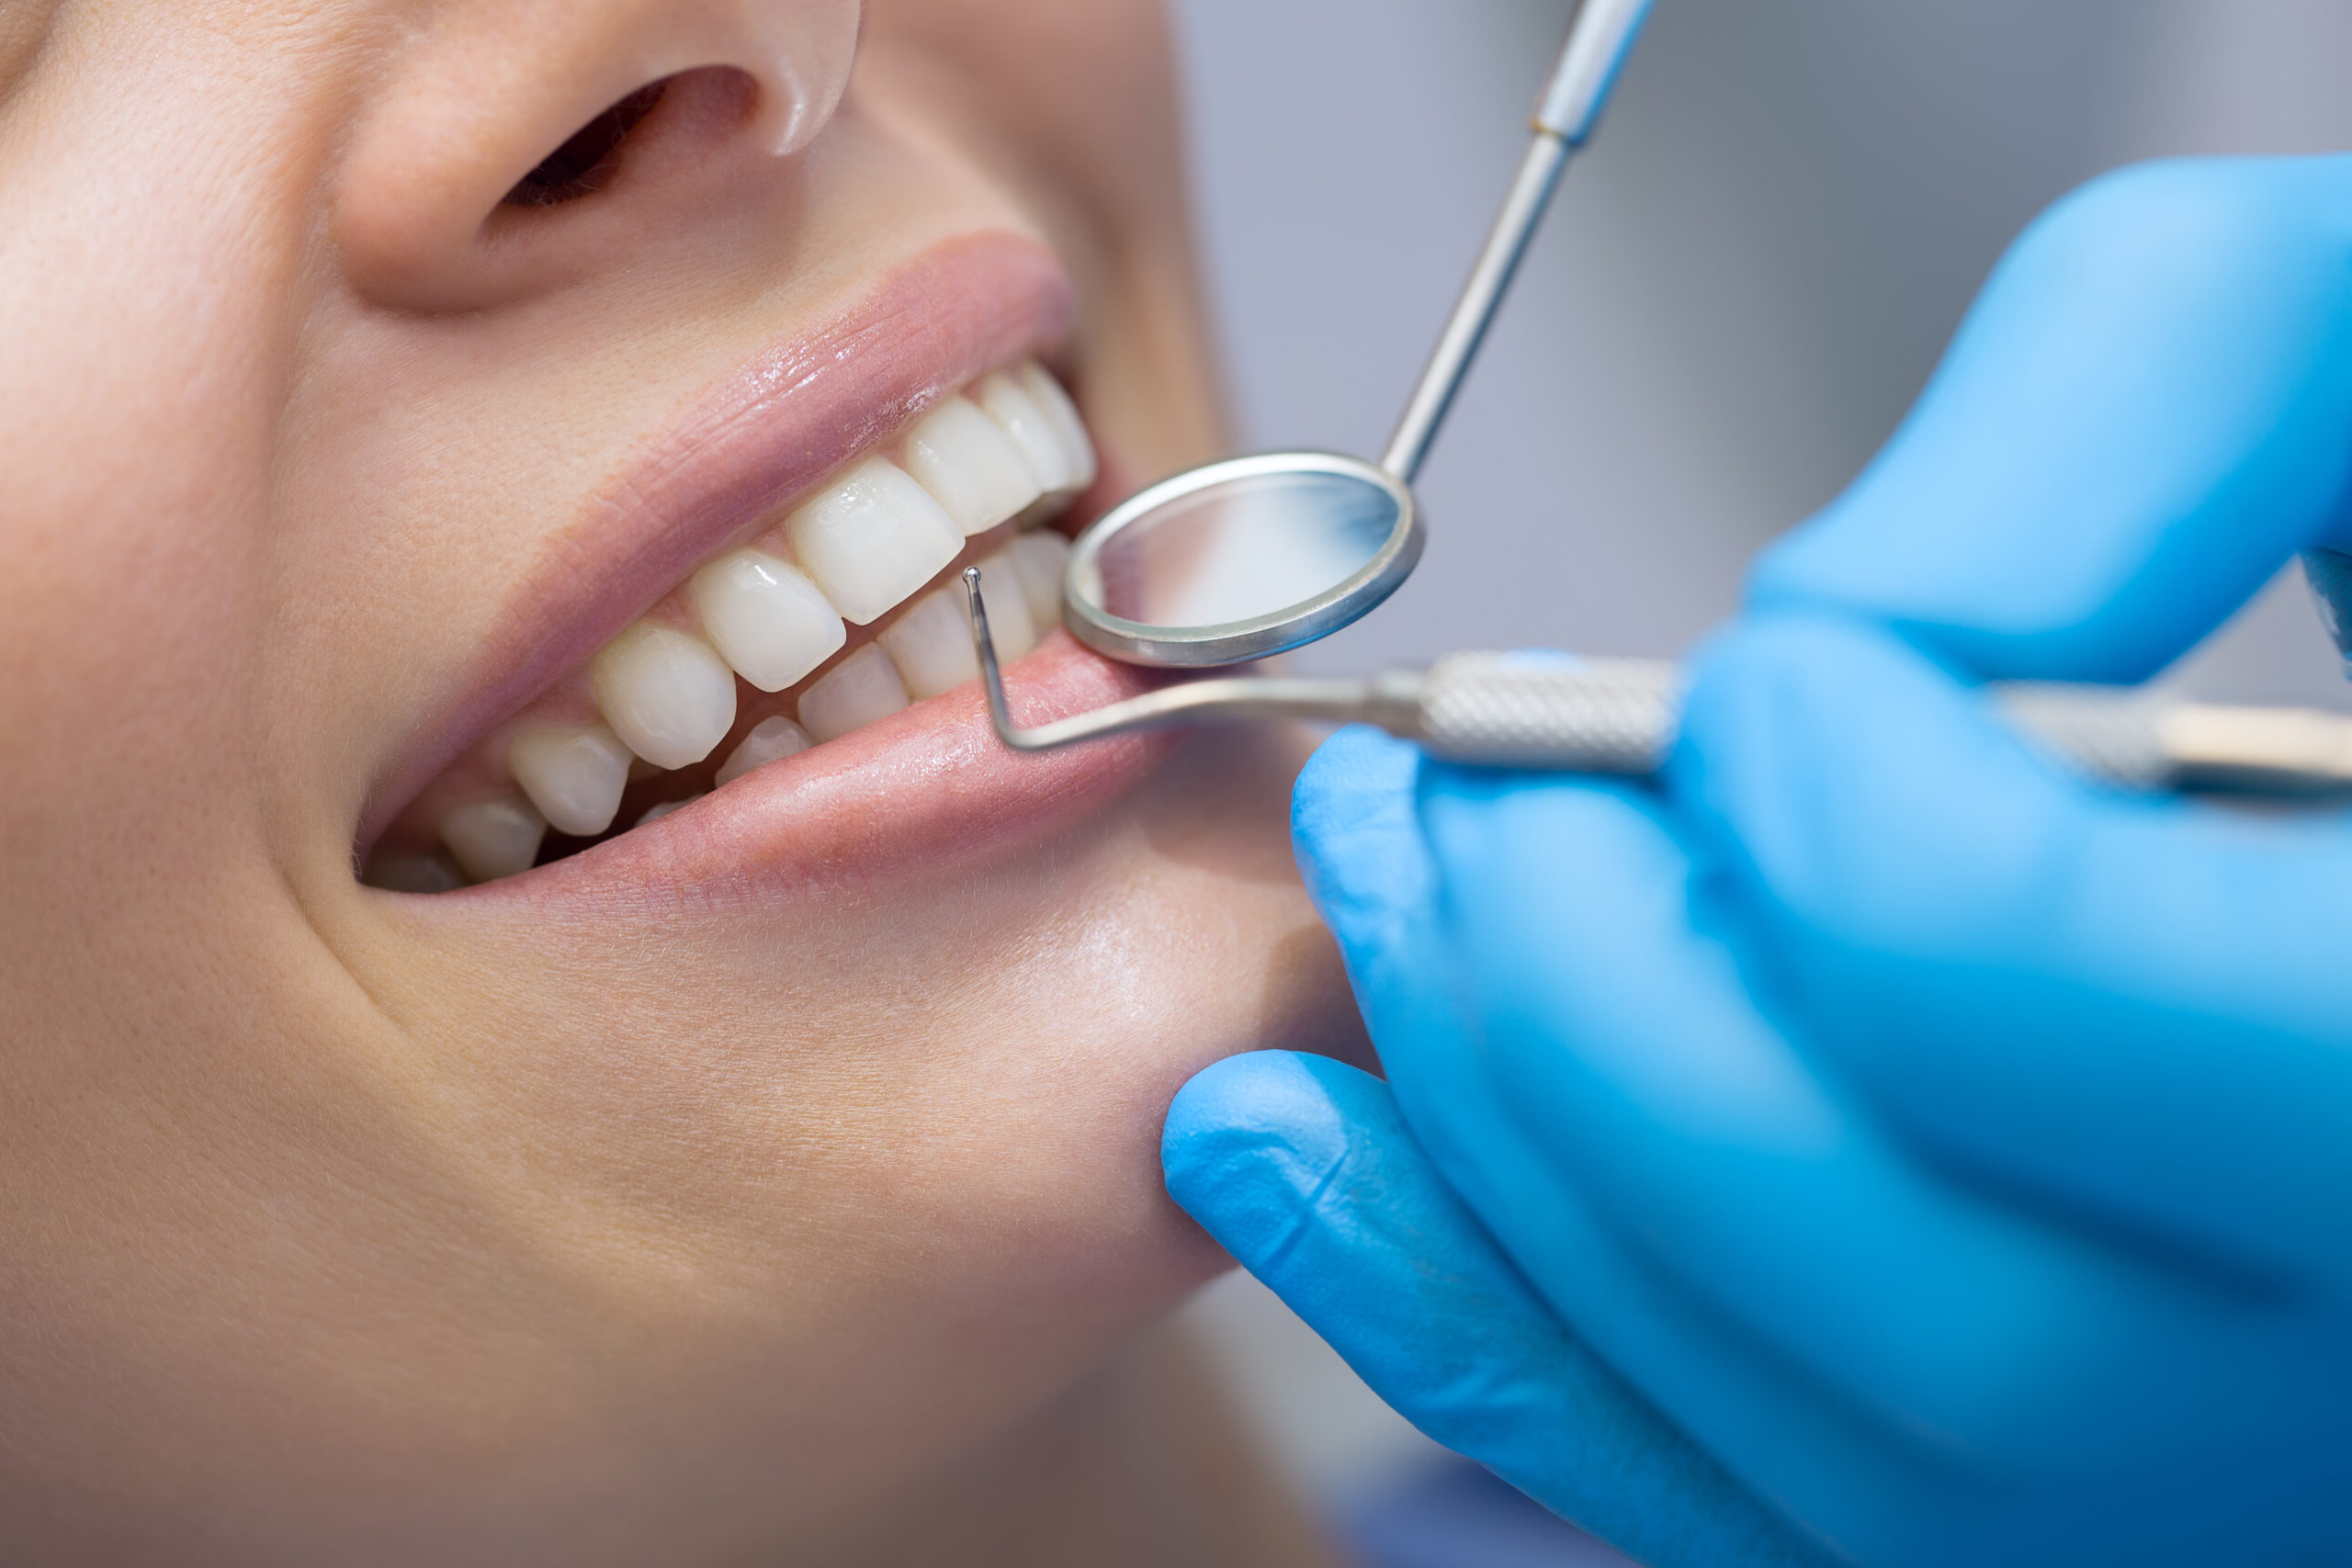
(2147, 413)
(1303, 1169)
(1358, 838)
(1621, 1030)
(2137, 1006)
(1360, 849)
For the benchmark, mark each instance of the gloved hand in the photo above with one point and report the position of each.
(1887, 1130)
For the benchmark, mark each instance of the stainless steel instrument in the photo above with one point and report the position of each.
(1256, 555)
(1619, 715)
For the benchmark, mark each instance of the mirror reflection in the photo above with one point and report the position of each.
(1241, 549)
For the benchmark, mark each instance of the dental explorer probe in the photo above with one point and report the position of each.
(1618, 715)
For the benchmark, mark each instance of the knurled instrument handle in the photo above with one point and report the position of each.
(1620, 715)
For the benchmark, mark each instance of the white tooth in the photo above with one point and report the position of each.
(766, 619)
(969, 466)
(852, 693)
(1009, 622)
(1047, 394)
(770, 740)
(932, 644)
(873, 538)
(1032, 430)
(414, 874)
(655, 813)
(1040, 556)
(491, 838)
(665, 693)
(573, 773)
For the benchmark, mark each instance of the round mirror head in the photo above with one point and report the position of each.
(1240, 560)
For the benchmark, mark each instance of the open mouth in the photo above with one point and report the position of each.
(839, 612)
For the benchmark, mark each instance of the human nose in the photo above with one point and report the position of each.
(508, 149)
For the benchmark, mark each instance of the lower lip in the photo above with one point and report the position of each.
(925, 790)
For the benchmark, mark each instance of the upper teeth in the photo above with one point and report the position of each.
(873, 538)
(666, 693)
(573, 773)
(1011, 447)
(766, 619)
(970, 467)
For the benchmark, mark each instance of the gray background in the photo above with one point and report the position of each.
(1743, 286)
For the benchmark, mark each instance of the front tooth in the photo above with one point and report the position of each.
(1047, 394)
(1011, 624)
(665, 693)
(932, 644)
(851, 694)
(873, 538)
(970, 467)
(1032, 430)
(1040, 557)
(770, 740)
(766, 619)
(491, 838)
(573, 773)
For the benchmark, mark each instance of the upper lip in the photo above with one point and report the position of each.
(770, 430)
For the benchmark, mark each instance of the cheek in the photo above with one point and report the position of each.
(884, 1159)
(980, 1067)
(152, 250)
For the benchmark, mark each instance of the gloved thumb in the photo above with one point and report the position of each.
(1303, 1169)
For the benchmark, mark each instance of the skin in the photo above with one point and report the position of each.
(821, 1224)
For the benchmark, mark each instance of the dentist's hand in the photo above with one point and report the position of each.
(1886, 1132)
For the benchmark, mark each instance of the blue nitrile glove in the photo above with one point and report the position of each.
(1958, 1153)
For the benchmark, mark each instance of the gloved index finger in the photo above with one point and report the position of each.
(1303, 1168)
(2146, 415)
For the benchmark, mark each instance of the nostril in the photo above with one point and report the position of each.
(452, 200)
(586, 162)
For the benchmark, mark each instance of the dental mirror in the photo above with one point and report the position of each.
(1253, 556)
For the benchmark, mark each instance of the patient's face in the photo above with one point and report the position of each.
(382, 492)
